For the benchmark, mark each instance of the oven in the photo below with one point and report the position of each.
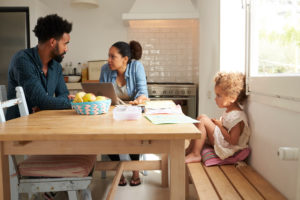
(184, 94)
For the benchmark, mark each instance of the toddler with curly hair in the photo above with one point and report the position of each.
(231, 133)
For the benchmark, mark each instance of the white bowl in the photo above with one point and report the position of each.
(73, 79)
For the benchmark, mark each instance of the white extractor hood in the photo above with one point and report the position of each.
(161, 9)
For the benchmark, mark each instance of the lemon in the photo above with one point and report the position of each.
(78, 97)
(80, 94)
(100, 98)
(89, 97)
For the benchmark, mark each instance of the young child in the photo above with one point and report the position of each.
(231, 133)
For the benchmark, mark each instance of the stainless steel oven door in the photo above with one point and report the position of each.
(188, 104)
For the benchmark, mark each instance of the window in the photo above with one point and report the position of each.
(274, 48)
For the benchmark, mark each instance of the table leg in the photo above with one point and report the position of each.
(177, 171)
(4, 175)
(164, 170)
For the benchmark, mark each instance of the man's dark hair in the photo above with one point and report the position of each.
(51, 26)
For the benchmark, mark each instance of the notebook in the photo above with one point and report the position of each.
(102, 89)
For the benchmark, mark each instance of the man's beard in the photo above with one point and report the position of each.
(58, 57)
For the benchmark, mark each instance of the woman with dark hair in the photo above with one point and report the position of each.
(125, 72)
(128, 77)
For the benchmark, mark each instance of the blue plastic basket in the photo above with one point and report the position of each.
(92, 108)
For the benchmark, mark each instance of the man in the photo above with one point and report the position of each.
(38, 70)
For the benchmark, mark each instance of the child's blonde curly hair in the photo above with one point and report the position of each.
(232, 84)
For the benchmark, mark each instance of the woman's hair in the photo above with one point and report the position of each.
(133, 50)
(51, 26)
(232, 84)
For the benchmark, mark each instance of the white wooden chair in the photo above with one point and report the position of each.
(3, 96)
(29, 185)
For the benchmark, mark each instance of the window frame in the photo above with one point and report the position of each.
(281, 91)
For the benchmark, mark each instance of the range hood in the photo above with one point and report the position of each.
(161, 9)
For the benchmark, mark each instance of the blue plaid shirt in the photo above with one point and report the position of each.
(40, 91)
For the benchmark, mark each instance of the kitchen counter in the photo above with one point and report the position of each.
(74, 86)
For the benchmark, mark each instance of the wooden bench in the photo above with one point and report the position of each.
(229, 182)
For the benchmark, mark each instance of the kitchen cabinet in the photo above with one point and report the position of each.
(74, 87)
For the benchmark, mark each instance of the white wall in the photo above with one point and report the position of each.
(209, 54)
(271, 127)
(94, 29)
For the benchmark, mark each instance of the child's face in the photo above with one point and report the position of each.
(222, 100)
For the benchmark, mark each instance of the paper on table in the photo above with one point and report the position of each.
(175, 110)
(160, 104)
(170, 119)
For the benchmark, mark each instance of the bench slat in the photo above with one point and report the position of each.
(221, 183)
(204, 188)
(246, 190)
(264, 187)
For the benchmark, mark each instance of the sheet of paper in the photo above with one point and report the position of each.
(175, 110)
(160, 104)
(170, 119)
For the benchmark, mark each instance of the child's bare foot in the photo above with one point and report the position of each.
(192, 157)
(188, 151)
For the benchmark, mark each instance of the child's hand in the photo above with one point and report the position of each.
(217, 122)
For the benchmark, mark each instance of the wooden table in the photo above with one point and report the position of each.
(65, 132)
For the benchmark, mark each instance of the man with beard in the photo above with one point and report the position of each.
(38, 70)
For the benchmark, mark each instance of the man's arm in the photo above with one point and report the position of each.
(61, 89)
(29, 78)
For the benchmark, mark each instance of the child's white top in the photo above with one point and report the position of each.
(222, 148)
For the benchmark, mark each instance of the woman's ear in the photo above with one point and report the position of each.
(125, 59)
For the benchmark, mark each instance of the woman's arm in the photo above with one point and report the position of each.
(233, 136)
(140, 81)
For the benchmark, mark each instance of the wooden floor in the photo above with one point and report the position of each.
(229, 182)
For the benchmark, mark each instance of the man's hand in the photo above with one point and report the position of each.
(35, 109)
(141, 99)
(71, 96)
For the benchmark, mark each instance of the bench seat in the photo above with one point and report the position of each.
(229, 182)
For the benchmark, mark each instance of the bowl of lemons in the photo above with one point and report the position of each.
(89, 104)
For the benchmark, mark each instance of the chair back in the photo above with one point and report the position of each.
(20, 101)
(3, 93)
(3, 96)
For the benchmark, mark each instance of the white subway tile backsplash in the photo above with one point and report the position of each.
(170, 49)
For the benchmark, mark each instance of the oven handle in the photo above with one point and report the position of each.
(171, 98)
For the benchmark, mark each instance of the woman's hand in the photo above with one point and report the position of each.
(139, 100)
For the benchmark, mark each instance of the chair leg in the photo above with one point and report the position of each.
(14, 193)
(30, 196)
(144, 157)
(72, 195)
(86, 194)
(104, 158)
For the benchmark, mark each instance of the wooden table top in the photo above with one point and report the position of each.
(68, 125)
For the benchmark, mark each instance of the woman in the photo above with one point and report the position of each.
(128, 77)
